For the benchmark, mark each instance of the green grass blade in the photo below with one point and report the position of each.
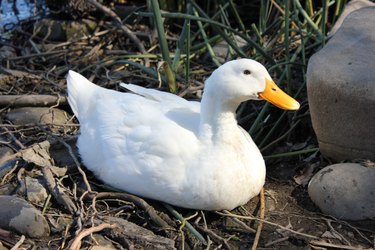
(205, 38)
(171, 78)
(182, 40)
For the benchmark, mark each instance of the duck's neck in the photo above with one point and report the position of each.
(218, 117)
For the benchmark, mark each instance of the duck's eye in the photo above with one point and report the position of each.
(247, 72)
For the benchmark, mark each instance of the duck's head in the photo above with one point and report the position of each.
(245, 79)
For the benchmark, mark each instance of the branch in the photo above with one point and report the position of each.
(32, 100)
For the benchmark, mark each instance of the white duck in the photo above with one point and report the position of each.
(160, 146)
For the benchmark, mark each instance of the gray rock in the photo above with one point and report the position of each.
(222, 49)
(18, 215)
(341, 90)
(345, 191)
(39, 115)
(35, 191)
(36, 115)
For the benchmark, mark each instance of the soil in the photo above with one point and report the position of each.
(291, 220)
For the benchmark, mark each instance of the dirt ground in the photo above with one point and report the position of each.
(82, 212)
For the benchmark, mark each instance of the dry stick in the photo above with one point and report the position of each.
(27, 125)
(32, 100)
(260, 225)
(241, 223)
(77, 241)
(70, 150)
(37, 55)
(331, 219)
(115, 18)
(138, 202)
(19, 243)
(227, 213)
(56, 191)
(270, 243)
(14, 138)
(331, 245)
(214, 236)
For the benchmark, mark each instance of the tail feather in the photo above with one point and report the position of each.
(80, 93)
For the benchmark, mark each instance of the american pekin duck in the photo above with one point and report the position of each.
(160, 146)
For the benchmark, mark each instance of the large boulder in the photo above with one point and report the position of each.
(341, 89)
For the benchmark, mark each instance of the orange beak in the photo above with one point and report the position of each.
(277, 97)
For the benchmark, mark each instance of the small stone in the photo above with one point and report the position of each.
(222, 49)
(345, 191)
(35, 191)
(38, 115)
(18, 215)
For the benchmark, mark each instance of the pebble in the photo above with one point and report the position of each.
(345, 191)
(36, 115)
(35, 191)
(18, 215)
(222, 49)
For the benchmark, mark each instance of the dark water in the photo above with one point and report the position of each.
(12, 12)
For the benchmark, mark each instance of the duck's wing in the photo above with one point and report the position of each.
(128, 139)
(173, 101)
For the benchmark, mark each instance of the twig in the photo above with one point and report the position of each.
(241, 223)
(56, 191)
(78, 165)
(215, 236)
(331, 245)
(77, 241)
(270, 243)
(139, 202)
(123, 27)
(5, 177)
(27, 125)
(260, 223)
(14, 138)
(183, 224)
(19, 243)
(38, 55)
(269, 223)
(32, 100)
